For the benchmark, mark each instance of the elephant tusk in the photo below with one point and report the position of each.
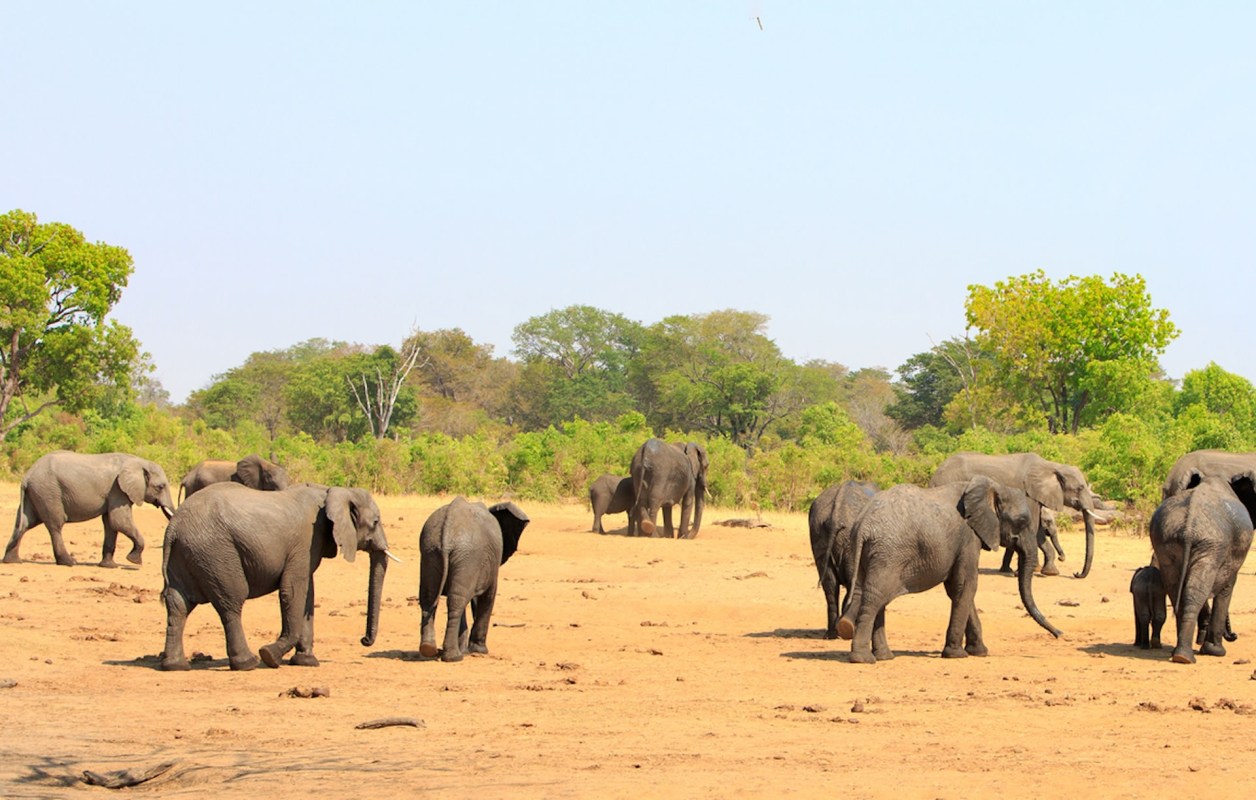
(393, 557)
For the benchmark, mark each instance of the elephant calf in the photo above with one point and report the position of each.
(611, 494)
(253, 471)
(1147, 587)
(461, 548)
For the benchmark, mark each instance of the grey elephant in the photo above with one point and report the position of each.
(831, 520)
(461, 548)
(253, 471)
(1147, 589)
(66, 487)
(1193, 467)
(1201, 536)
(229, 543)
(664, 475)
(910, 539)
(1048, 534)
(611, 494)
(1048, 483)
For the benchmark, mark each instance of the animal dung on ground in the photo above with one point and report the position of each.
(7, 683)
(307, 691)
(743, 523)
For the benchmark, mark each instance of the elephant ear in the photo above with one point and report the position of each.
(342, 515)
(131, 480)
(511, 519)
(248, 471)
(1045, 486)
(980, 512)
(1243, 484)
(699, 454)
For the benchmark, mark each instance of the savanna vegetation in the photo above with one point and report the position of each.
(1067, 368)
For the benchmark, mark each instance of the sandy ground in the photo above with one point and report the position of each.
(619, 667)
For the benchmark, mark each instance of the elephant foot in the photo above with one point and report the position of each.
(11, 557)
(831, 633)
(1153, 645)
(883, 655)
(1006, 571)
(1182, 656)
(176, 665)
(845, 629)
(303, 660)
(108, 563)
(647, 528)
(1212, 649)
(429, 650)
(136, 556)
(1230, 636)
(244, 664)
(450, 656)
(1050, 569)
(68, 561)
(954, 652)
(979, 650)
(862, 657)
(271, 657)
(477, 649)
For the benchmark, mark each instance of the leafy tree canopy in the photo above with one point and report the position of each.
(56, 289)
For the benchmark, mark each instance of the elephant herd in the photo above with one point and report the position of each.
(244, 531)
(878, 545)
(661, 476)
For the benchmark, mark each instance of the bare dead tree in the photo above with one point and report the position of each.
(377, 398)
(965, 369)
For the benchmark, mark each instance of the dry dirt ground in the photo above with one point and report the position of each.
(619, 668)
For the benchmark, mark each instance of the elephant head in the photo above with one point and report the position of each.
(355, 525)
(1004, 516)
(1057, 486)
(145, 482)
(256, 472)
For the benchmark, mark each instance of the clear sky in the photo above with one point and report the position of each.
(288, 170)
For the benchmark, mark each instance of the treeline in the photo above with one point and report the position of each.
(1069, 369)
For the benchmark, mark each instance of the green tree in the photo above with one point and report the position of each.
(56, 347)
(1057, 346)
(574, 364)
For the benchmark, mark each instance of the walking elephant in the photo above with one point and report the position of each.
(229, 543)
(1147, 588)
(1048, 483)
(1201, 536)
(831, 520)
(611, 494)
(461, 548)
(253, 471)
(66, 487)
(666, 474)
(910, 539)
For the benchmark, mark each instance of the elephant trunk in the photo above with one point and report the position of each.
(1089, 518)
(379, 566)
(699, 501)
(1028, 563)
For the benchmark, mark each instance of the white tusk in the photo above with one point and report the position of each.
(393, 557)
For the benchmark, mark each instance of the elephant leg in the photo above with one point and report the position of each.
(832, 608)
(1048, 556)
(974, 644)
(108, 545)
(668, 530)
(880, 645)
(455, 609)
(1157, 615)
(427, 635)
(292, 604)
(239, 656)
(122, 522)
(871, 608)
(481, 612)
(686, 511)
(304, 655)
(177, 609)
(1006, 566)
(1213, 643)
(962, 610)
(1142, 622)
(597, 521)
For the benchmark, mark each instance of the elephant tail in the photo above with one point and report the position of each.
(25, 518)
(1186, 565)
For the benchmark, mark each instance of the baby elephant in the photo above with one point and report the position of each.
(611, 494)
(461, 548)
(1149, 607)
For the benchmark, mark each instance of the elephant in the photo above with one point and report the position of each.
(611, 494)
(461, 549)
(910, 539)
(666, 474)
(1048, 483)
(1193, 467)
(229, 543)
(253, 471)
(1147, 588)
(66, 487)
(1201, 536)
(1048, 533)
(830, 520)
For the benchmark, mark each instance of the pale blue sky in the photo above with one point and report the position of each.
(281, 171)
